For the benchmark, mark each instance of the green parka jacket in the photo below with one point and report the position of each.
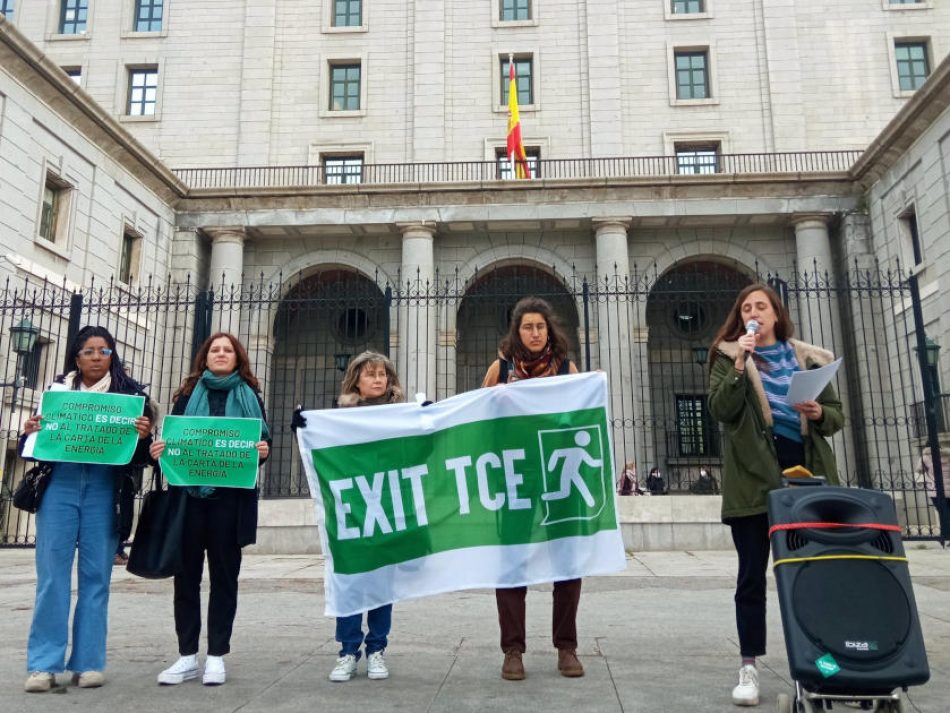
(750, 465)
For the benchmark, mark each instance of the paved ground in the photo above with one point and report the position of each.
(659, 637)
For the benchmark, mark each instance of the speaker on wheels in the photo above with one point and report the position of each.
(844, 589)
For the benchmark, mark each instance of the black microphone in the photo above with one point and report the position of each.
(751, 329)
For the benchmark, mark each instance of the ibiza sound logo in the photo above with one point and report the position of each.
(863, 646)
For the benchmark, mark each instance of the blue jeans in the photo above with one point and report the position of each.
(349, 631)
(77, 510)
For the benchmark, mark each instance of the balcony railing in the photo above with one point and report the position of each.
(799, 162)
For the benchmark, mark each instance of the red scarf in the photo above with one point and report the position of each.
(545, 364)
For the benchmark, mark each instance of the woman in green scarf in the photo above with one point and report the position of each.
(219, 521)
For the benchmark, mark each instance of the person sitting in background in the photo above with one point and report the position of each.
(628, 485)
(924, 473)
(655, 482)
(705, 484)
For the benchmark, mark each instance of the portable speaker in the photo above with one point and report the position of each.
(844, 589)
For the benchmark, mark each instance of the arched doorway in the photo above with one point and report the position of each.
(322, 322)
(685, 308)
(485, 311)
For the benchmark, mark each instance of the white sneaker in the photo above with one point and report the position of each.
(376, 666)
(345, 668)
(747, 692)
(39, 682)
(214, 671)
(184, 669)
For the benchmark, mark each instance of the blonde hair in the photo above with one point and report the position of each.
(349, 391)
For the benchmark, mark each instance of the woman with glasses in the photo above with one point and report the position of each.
(78, 512)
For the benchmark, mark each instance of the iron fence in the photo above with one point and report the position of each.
(797, 162)
(649, 332)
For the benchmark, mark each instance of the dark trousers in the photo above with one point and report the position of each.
(127, 490)
(751, 538)
(511, 615)
(210, 526)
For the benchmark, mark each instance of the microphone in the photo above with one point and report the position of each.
(751, 328)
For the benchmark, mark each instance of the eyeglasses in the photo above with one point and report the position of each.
(90, 352)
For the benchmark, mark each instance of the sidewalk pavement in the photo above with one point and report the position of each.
(658, 637)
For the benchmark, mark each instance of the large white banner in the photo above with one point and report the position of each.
(499, 487)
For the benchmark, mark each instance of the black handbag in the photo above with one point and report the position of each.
(156, 549)
(29, 492)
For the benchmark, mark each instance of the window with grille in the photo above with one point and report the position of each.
(513, 10)
(347, 13)
(524, 71)
(913, 66)
(344, 87)
(343, 169)
(697, 158)
(688, 7)
(692, 74)
(695, 431)
(72, 16)
(148, 15)
(143, 91)
(505, 171)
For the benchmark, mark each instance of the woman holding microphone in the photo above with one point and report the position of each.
(752, 359)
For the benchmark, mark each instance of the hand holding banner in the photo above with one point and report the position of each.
(86, 427)
(497, 487)
(217, 452)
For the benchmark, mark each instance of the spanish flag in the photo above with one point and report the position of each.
(516, 152)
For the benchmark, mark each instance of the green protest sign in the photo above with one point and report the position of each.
(220, 452)
(515, 480)
(87, 427)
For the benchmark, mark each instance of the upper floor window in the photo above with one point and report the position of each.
(913, 66)
(513, 10)
(6, 8)
(505, 171)
(698, 158)
(344, 87)
(72, 16)
(347, 13)
(54, 210)
(692, 74)
(910, 238)
(343, 169)
(130, 255)
(74, 73)
(524, 71)
(688, 7)
(143, 91)
(905, 2)
(148, 15)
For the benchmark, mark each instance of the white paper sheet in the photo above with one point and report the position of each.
(807, 385)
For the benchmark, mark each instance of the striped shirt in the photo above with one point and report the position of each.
(776, 365)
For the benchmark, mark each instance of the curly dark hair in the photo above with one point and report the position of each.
(511, 345)
(122, 383)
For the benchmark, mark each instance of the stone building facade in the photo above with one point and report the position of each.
(641, 257)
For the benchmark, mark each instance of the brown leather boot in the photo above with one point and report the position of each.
(568, 664)
(512, 669)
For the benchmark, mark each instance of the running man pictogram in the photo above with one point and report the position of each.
(571, 472)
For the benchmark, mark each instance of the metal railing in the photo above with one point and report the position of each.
(792, 162)
(919, 419)
(650, 333)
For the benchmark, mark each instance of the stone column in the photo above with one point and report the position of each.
(616, 352)
(817, 306)
(418, 310)
(227, 257)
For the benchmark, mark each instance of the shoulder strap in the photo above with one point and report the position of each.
(503, 367)
(565, 367)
